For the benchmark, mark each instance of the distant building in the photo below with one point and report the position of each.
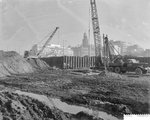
(118, 50)
(84, 49)
(135, 50)
(147, 53)
(55, 50)
(120, 46)
(85, 41)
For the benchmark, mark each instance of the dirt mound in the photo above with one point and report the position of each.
(13, 63)
(3, 71)
(111, 74)
(38, 63)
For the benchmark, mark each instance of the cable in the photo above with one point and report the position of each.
(43, 38)
(114, 48)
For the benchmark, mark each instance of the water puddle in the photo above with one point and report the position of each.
(41, 98)
(72, 109)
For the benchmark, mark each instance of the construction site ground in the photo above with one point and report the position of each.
(113, 93)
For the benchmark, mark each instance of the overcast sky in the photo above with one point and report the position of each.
(24, 23)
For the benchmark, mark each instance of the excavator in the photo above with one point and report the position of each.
(38, 54)
(108, 61)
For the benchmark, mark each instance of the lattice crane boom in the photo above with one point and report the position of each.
(46, 43)
(96, 31)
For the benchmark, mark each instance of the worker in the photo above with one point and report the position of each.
(65, 66)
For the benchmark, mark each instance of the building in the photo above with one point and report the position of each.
(147, 53)
(84, 49)
(135, 50)
(53, 50)
(117, 50)
(120, 46)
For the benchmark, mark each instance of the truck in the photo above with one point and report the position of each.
(119, 64)
(130, 65)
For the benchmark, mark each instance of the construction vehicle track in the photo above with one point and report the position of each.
(125, 95)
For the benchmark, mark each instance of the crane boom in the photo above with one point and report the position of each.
(46, 43)
(96, 32)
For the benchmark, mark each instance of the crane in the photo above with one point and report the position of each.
(29, 54)
(113, 63)
(96, 34)
(46, 43)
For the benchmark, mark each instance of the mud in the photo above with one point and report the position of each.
(14, 106)
(113, 95)
(74, 109)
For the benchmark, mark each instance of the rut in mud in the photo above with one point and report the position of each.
(21, 107)
(120, 95)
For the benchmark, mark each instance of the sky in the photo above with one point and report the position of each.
(24, 23)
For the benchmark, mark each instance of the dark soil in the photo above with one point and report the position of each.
(123, 95)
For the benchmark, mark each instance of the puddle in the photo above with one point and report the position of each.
(72, 109)
(41, 98)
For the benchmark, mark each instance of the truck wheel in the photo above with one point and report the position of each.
(144, 72)
(117, 70)
(111, 69)
(138, 71)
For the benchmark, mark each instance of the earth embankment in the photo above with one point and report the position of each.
(13, 63)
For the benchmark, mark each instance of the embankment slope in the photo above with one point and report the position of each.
(13, 63)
